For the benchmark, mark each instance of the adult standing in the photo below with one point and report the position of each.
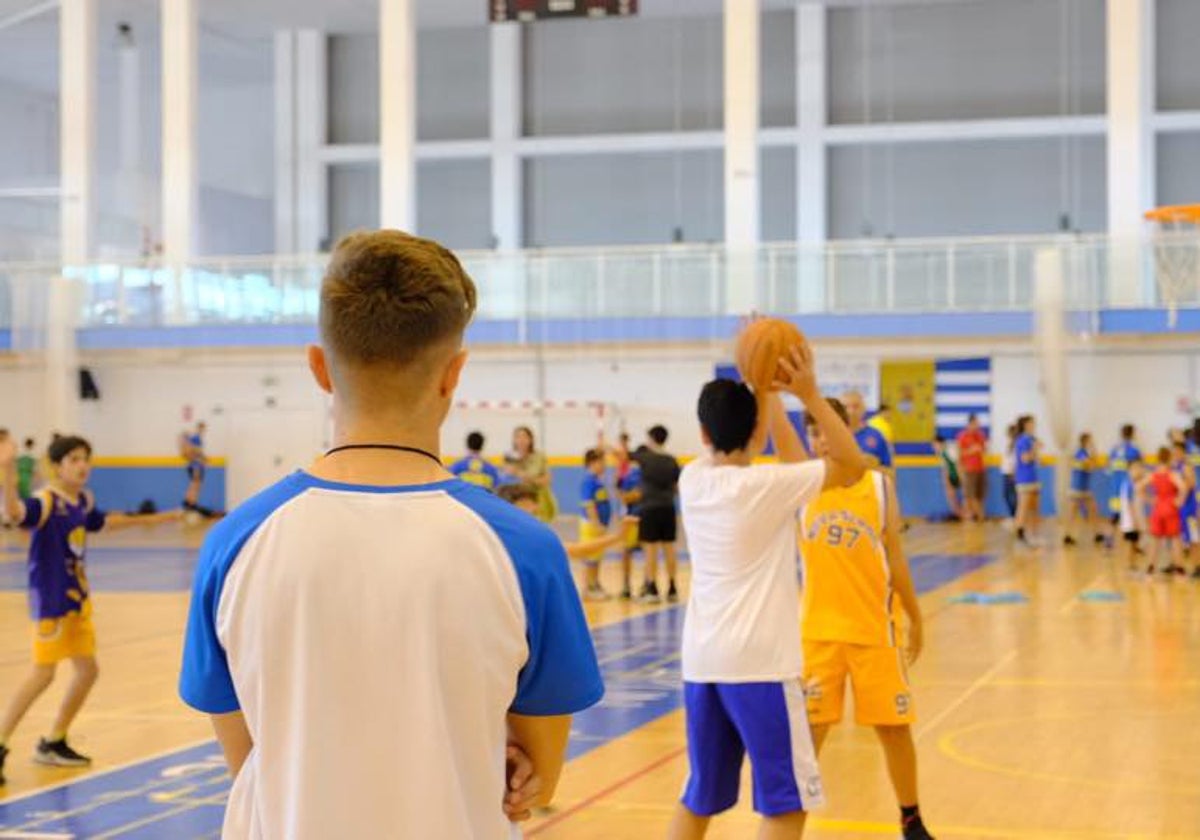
(972, 462)
(870, 440)
(657, 528)
(528, 465)
(370, 634)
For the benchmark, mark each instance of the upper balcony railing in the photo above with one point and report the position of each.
(696, 281)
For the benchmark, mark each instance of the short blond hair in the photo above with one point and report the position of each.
(388, 297)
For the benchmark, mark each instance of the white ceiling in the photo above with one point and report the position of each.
(236, 31)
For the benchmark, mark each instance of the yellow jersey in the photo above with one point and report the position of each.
(848, 595)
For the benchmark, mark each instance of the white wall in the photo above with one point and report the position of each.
(141, 410)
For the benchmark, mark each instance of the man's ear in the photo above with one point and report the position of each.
(318, 364)
(452, 373)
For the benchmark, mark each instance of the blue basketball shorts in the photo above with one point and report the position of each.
(726, 722)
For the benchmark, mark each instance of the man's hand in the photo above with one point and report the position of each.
(524, 786)
(916, 642)
(799, 371)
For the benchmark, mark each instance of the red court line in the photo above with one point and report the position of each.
(611, 789)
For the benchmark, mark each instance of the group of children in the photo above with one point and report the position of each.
(1156, 496)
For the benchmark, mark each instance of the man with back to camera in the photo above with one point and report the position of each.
(368, 635)
(657, 530)
(741, 657)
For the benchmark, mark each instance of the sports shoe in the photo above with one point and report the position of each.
(3, 755)
(672, 594)
(915, 829)
(1069, 540)
(1100, 540)
(59, 754)
(649, 595)
(626, 594)
(1196, 573)
(596, 593)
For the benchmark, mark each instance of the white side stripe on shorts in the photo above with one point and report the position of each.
(804, 757)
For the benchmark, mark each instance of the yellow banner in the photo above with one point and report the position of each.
(908, 388)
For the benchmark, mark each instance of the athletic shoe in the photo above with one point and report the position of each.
(1100, 540)
(596, 593)
(1150, 569)
(915, 829)
(1196, 573)
(672, 594)
(649, 595)
(626, 594)
(58, 754)
(1068, 541)
(3, 755)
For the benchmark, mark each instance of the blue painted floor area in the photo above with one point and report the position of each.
(182, 796)
(118, 569)
(178, 796)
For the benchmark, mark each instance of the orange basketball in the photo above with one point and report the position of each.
(760, 347)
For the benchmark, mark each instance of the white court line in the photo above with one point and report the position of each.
(4, 803)
(966, 695)
(32, 835)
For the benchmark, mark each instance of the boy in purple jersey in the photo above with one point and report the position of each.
(61, 515)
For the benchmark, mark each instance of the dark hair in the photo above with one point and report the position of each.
(938, 439)
(1164, 455)
(387, 297)
(1180, 445)
(883, 407)
(728, 414)
(475, 442)
(592, 456)
(64, 446)
(1127, 431)
(838, 408)
(972, 418)
(519, 492)
(1023, 423)
(29, 444)
(1084, 437)
(658, 434)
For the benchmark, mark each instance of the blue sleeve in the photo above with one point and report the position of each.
(491, 470)
(885, 451)
(33, 513)
(205, 682)
(458, 467)
(95, 520)
(561, 676)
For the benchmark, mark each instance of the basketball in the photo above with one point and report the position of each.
(760, 347)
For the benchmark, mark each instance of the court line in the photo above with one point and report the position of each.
(142, 823)
(1067, 608)
(87, 777)
(605, 792)
(972, 689)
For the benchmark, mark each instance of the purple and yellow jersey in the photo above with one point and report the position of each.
(58, 583)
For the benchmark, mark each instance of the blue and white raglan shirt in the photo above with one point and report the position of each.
(375, 639)
(872, 442)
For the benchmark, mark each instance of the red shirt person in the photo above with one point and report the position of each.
(972, 452)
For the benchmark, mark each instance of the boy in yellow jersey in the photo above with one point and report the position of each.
(856, 580)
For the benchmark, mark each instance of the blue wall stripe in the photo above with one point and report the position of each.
(964, 365)
(962, 389)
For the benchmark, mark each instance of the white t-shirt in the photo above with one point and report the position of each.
(743, 614)
(375, 639)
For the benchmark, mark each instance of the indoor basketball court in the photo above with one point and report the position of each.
(981, 217)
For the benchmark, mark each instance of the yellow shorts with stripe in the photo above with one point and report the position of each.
(878, 677)
(589, 532)
(56, 639)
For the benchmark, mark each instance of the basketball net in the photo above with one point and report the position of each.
(1176, 255)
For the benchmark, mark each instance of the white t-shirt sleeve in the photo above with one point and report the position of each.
(784, 489)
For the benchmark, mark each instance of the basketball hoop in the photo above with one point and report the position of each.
(1177, 255)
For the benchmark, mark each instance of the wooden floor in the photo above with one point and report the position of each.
(1060, 717)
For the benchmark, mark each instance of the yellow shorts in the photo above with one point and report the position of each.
(56, 639)
(882, 696)
(588, 532)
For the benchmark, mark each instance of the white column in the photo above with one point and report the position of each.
(130, 197)
(312, 180)
(77, 128)
(179, 159)
(77, 141)
(285, 141)
(812, 188)
(1131, 157)
(742, 228)
(398, 114)
(506, 105)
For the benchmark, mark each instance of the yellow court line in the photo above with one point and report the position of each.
(147, 462)
(948, 747)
